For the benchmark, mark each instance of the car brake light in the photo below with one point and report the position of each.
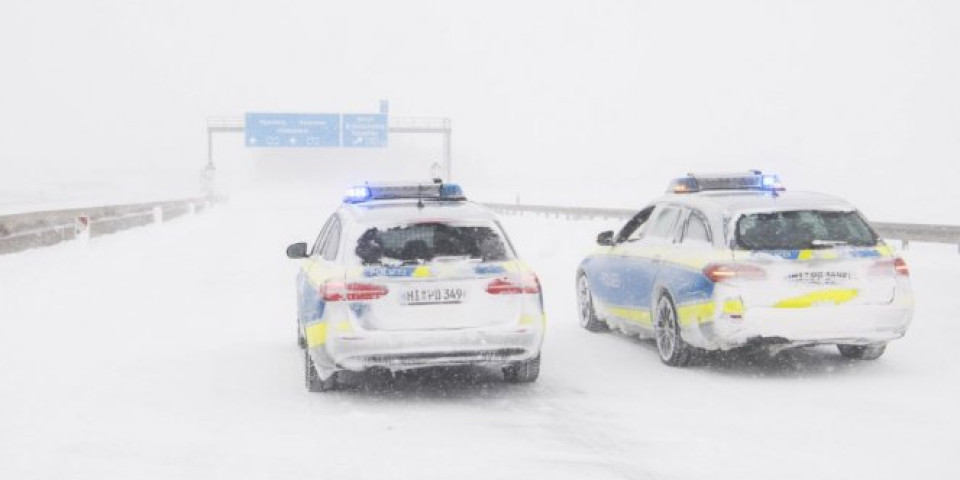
(353, 291)
(887, 266)
(721, 272)
(901, 267)
(526, 283)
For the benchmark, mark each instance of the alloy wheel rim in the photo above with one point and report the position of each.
(666, 334)
(583, 294)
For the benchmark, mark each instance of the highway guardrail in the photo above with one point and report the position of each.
(22, 231)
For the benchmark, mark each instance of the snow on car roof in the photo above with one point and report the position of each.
(741, 201)
(407, 210)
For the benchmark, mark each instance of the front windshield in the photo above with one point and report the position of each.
(423, 242)
(802, 229)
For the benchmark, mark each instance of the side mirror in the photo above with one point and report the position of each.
(605, 238)
(297, 250)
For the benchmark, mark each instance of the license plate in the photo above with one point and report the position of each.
(821, 278)
(432, 295)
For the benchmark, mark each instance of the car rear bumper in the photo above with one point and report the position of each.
(402, 350)
(855, 325)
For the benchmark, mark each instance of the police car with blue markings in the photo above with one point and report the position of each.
(733, 260)
(412, 275)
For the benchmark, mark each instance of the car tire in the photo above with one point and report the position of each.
(588, 315)
(671, 347)
(522, 372)
(313, 381)
(862, 352)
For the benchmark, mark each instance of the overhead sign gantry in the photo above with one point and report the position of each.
(330, 130)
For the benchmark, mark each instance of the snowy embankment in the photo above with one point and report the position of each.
(169, 352)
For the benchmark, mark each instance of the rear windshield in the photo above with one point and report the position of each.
(422, 242)
(802, 230)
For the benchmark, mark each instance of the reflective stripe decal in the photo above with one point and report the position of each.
(835, 296)
(316, 334)
(733, 306)
(639, 315)
(421, 272)
(388, 271)
(821, 254)
(700, 312)
(433, 271)
(343, 326)
(486, 269)
(531, 319)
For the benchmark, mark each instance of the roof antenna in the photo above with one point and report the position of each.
(436, 173)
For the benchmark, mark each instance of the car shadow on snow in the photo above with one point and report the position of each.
(450, 383)
(753, 362)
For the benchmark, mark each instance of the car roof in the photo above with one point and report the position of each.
(407, 210)
(731, 202)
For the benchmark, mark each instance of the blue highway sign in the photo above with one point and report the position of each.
(364, 130)
(292, 130)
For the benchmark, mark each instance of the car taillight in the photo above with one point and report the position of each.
(352, 291)
(901, 267)
(887, 266)
(512, 285)
(722, 272)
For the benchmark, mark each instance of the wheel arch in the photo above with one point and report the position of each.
(660, 290)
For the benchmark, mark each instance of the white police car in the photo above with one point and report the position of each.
(406, 276)
(724, 261)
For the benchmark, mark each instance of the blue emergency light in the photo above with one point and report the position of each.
(357, 194)
(752, 180)
(396, 191)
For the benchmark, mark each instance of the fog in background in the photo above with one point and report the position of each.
(597, 103)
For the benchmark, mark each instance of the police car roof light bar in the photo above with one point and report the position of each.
(396, 191)
(753, 180)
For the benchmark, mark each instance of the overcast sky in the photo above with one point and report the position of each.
(596, 102)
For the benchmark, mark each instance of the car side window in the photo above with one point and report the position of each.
(696, 232)
(332, 242)
(633, 229)
(317, 245)
(664, 223)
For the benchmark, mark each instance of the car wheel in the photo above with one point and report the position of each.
(588, 316)
(673, 350)
(522, 372)
(313, 381)
(862, 352)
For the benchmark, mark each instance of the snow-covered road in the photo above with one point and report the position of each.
(170, 352)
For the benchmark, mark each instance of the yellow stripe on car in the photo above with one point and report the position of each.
(421, 272)
(532, 319)
(699, 312)
(639, 315)
(316, 334)
(733, 306)
(835, 296)
(511, 266)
